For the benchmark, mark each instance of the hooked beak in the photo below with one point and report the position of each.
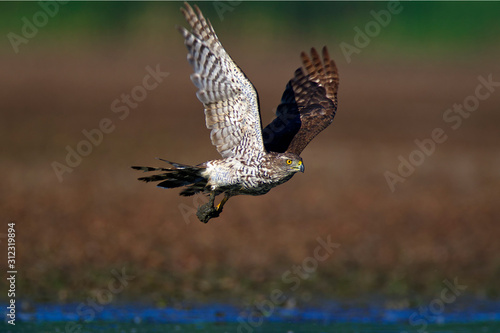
(299, 167)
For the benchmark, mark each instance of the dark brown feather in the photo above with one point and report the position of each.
(307, 106)
(179, 175)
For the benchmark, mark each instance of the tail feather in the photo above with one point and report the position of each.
(147, 169)
(194, 188)
(179, 175)
(177, 165)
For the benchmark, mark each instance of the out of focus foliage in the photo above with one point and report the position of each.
(440, 25)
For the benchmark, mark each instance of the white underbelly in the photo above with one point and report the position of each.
(235, 173)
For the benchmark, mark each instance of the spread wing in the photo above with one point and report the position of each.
(230, 100)
(307, 106)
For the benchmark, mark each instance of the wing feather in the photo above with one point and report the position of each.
(307, 106)
(230, 100)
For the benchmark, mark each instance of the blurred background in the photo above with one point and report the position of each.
(65, 69)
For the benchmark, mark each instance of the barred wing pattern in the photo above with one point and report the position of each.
(230, 99)
(307, 106)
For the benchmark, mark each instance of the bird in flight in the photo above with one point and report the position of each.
(254, 159)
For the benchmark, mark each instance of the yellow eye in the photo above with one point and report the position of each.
(288, 161)
(300, 163)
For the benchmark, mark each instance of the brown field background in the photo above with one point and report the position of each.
(441, 223)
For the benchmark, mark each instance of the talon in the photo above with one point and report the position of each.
(207, 211)
(221, 204)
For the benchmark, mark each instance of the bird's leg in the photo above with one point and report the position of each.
(207, 211)
(211, 199)
(221, 204)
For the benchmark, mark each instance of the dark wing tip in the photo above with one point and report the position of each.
(198, 11)
(187, 7)
(184, 11)
(326, 55)
(184, 32)
(314, 53)
(304, 57)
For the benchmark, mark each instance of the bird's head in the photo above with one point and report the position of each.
(290, 162)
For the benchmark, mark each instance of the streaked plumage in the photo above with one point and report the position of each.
(254, 160)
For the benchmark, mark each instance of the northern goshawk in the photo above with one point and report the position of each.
(254, 160)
